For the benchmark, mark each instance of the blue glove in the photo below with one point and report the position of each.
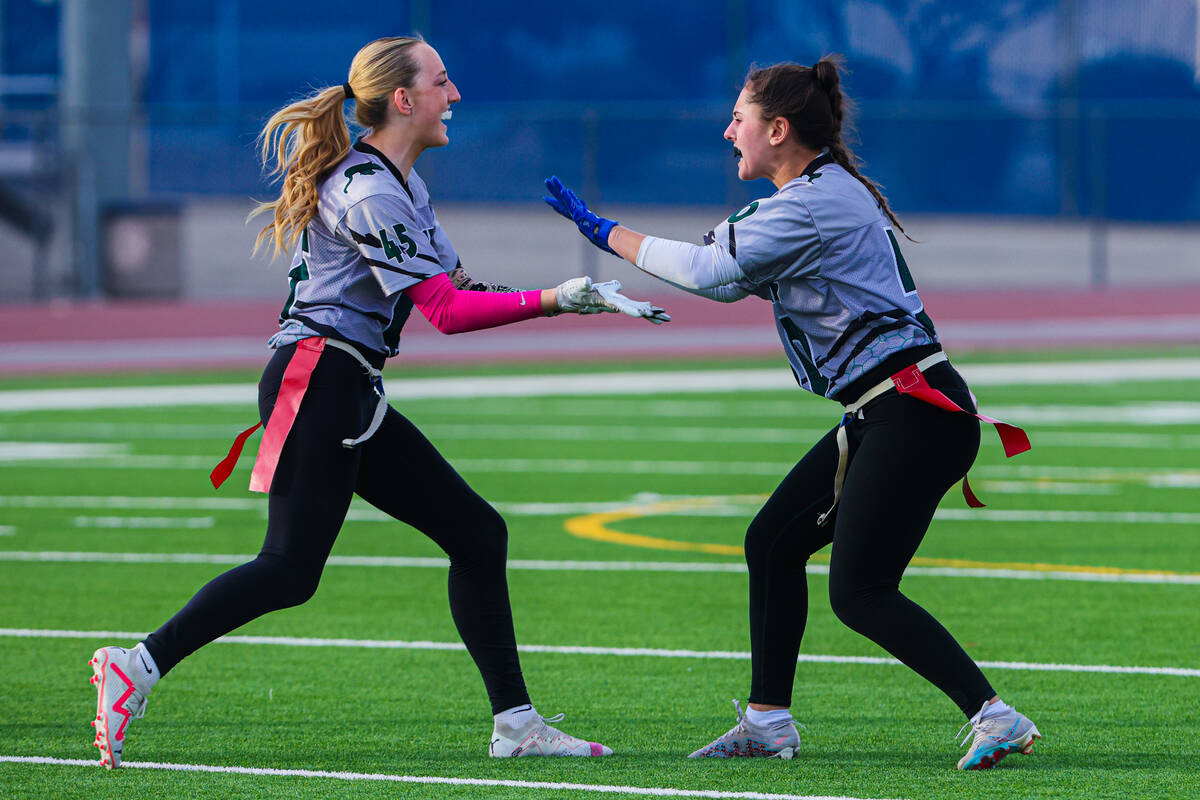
(564, 201)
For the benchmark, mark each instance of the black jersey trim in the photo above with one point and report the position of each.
(301, 306)
(857, 325)
(883, 370)
(369, 239)
(393, 268)
(363, 147)
(862, 343)
(400, 314)
(429, 258)
(818, 162)
(732, 242)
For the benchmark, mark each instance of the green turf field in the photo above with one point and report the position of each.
(1087, 558)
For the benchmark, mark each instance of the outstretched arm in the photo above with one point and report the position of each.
(453, 310)
(459, 310)
(709, 270)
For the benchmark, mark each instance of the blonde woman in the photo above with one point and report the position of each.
(367, 248)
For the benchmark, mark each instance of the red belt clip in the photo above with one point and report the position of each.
(1015, 440)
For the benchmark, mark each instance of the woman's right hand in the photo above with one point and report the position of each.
(582, 296)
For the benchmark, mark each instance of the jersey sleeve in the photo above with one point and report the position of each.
(770, 239)
(386, 234)
(445, 252)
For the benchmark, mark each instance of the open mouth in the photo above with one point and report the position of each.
(737, 153)
(447, 114)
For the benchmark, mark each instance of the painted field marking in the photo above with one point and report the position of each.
(138, 523)
(1045, 487)
(740, 506)
(596, 526)
(623, 652)
(627, 431)
(1153, 477)
(7, 530)
(930, 567)
(603, 788)
(15, 453)
(706, 381)
(127, 503)
(500, 431)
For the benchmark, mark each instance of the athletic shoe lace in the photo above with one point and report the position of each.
(979, 727)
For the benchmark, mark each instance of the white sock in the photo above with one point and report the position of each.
(768, 718)
(992, 710)
(146, 672)
(517, 716)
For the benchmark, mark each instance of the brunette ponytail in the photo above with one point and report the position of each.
(820, 115)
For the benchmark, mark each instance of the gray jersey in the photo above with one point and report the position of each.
(822, 251)
(373, 235)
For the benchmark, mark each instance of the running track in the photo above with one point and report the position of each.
(146, 336)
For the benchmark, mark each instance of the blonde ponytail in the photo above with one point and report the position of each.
(303, 141)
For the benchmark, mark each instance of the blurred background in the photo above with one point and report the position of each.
(1025, 144)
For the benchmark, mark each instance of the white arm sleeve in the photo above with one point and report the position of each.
(688, 266)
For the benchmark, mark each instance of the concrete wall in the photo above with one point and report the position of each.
(530, 246)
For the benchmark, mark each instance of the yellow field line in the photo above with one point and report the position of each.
(596, 527)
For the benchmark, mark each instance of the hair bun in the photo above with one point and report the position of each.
(816, 72)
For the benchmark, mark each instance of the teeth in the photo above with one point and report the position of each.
(447, 114)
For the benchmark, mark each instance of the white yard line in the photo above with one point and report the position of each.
(624, 652)
(1154, 478)
(630, 431)
(602, 788)
(1044, 487)
(140, 523)
(408, 562)
(21, 453)
(736, 507)
(131, 503)
(1090, 517)
(707, 381)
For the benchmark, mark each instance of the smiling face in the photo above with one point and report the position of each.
(755, 140)
(427, 102)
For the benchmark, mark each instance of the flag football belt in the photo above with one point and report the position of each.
(287, 405)
(911, 381)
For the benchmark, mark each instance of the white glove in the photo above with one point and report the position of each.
(611, 292)
(578, 295)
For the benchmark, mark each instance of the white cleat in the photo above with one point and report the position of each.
(747, 740)
(120, 699)
(537, 738)
(1011, 732)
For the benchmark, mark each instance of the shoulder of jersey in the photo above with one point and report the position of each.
(359, 176)
(823, 177)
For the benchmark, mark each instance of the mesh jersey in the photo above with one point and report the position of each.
(373, 235)
(822, 251)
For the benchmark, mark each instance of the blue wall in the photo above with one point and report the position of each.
(1032, 107)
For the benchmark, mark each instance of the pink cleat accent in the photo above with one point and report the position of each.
(119, 700)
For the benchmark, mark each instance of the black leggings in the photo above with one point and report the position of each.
(904, 455)
(398, 471)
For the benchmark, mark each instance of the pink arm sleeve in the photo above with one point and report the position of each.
(455, 311)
